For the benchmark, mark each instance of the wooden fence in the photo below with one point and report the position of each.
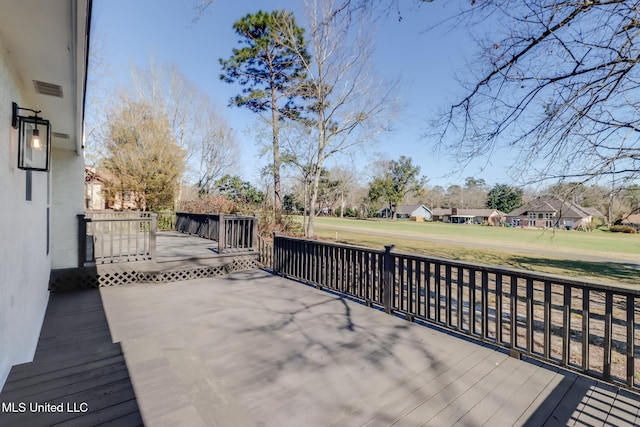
(108, 237)
(234, 233)
(589, 328)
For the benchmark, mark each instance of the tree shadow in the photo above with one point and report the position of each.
(325, 333)
(617, 271)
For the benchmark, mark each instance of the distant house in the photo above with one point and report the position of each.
(632, 220)
(96, 196)
(552, 212)
(441, 214)
(407, 211)
(477, 216)
(469, 216)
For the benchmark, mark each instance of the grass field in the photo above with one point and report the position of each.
(597, 256)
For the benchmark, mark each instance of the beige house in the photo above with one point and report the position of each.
(552, 212)
(97, 196)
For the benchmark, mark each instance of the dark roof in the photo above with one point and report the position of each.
(593, 212)
(441, 211)
(479, 212)
(467, 212)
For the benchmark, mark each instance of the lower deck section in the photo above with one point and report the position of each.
(78, 375)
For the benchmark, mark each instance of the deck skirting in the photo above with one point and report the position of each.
(68, 279)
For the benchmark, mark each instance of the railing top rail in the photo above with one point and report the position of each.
(118, 214)
(340, 245)
(141, 218)
(217, 215)
(619, 289)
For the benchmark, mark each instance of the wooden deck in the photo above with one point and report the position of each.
(251, 349)
(76, 365)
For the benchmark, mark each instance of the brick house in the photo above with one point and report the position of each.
(552, 212)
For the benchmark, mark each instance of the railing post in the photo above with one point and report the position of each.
(254, 233)
(82, 240)
(221, 233)
(387, 278)
(275, 260)
(152, 235)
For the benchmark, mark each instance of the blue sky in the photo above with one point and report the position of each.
(427, 62)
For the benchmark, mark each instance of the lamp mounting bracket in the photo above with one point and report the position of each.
(14, 114)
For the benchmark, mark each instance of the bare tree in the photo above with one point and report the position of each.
(298, 152)
(559, 83)
(348, 104)
(345, 177)
(197, 127)
(217, 150)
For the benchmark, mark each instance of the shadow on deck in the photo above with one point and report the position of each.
(77, 370)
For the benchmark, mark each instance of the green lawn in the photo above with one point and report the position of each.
(569, 253)
(626, 246)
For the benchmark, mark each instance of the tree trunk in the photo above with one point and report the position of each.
(305, 202)
(277, 195)
(314, 199)
(316, 179)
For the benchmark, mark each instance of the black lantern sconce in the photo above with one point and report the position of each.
(34, 136)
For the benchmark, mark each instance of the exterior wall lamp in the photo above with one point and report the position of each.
(34, 136)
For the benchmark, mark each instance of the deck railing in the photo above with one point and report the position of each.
(589, 328)
(108, 237)
(234, 233)
(265, 253)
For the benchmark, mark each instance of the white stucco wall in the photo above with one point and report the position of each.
(24, 263)
(67, 170)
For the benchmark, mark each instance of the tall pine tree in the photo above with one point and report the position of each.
(270, 69)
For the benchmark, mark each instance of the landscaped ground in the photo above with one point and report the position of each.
(597, 256)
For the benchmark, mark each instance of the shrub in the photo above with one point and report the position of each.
(267, 225)
(622, 229)
(214, 204)
(348, 212)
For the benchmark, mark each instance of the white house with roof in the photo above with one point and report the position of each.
(406, 211)
(43, 64)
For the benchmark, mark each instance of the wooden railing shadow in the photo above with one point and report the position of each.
(577, 397)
